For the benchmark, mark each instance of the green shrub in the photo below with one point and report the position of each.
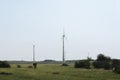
(4, 64)
(117, 69)
(82, 64)
(116, 66)
(102, 64)
(98, 64)
(107, 66)
(115, 62)
(18, 66)
(64, 64)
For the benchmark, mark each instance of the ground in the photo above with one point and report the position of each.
(55, 72)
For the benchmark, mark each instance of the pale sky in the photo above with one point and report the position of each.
(91, 26)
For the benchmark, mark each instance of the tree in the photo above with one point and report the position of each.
(101, 57)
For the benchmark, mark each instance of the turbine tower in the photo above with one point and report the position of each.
(63, 57)
(33, 53)
(34, 62)
(63, 37)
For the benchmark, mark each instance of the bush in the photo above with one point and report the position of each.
(115, 62)
(82, 64)
(107, 66)
(98, 64)
(102, 64)
(64, 64)
(18, 66)
(30, 66)
(117, 69)
(79, 64)
(4, 64)
(116, 66)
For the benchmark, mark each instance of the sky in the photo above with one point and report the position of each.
(91, 27)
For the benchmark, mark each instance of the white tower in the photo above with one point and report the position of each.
(63, 57)
(33, 53)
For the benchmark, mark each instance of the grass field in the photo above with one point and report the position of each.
(56, 72)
